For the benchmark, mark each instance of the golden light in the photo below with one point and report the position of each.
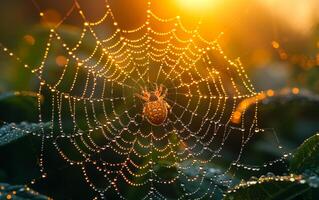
(61, 61)
(50, 17)
(244, 105)
(299, 14)
(295, 90)
(29, 39)
(270, 93)
(197, 4)
(275, 44)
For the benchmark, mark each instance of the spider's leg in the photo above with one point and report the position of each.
(147, 95)
(145, 98)
(169, 107)
(159, 90)
(164, 93)
(142, 89)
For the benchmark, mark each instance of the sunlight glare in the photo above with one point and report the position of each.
(197, 4)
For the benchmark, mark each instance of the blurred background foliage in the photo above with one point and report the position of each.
(277, 41)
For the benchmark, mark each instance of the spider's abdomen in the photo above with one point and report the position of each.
(155, 112)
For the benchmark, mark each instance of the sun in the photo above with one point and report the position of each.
(197, 4)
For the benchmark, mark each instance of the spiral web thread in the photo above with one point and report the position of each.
(97, 121)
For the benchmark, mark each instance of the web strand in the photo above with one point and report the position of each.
(93, 108)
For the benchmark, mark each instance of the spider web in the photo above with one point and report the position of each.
(97, 121)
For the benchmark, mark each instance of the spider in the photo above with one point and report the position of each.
(155, 107)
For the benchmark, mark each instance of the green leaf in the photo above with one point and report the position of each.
(7, 95)
(306, 158)
(19, 192)
(272, 187)
(11, 132)
(305, 161)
